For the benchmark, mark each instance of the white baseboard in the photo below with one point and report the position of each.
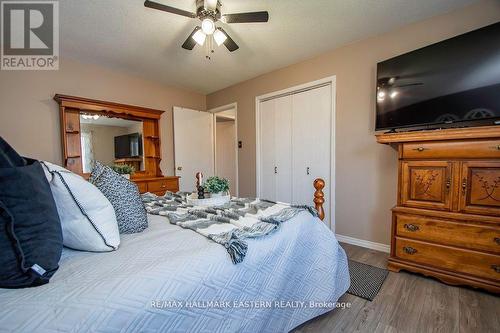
(364, 243)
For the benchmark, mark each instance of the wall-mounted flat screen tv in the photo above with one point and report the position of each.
(129, 145)
(454, 83)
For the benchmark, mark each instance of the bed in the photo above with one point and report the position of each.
(144, 286)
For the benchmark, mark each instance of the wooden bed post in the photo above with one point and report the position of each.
(319, 197)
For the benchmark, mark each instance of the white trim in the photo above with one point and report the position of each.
(332, 80)
(364, 243)
(222, 109)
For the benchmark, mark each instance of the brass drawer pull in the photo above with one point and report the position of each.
(411, 227)
(496, 268)
(448, 185)
(496, 147)
(420, 149)
(464, 185)
(411, 250)
(497, 240)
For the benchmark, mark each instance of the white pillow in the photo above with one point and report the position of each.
(87, 218)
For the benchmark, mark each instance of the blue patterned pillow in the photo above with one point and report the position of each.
(124, 197)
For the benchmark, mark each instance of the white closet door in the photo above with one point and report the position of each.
(283, 148)
(267, 150)
(193, 146)
(311, 126)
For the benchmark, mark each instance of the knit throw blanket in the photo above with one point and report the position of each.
(228, 225)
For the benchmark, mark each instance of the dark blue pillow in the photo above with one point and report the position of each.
(8, 156)
(30, 230)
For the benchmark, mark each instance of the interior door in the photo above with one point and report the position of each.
(480, 188)
(193, 146)
(427, 184)
(311, 126)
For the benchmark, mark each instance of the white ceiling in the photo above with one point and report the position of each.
(124, 35)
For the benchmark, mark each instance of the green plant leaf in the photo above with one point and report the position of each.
(215, 184)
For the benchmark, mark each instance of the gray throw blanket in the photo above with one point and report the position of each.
(227, 225)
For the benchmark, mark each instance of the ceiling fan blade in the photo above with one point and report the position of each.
(190, 43)
(165, 8)
(246, 17)
(229, 42)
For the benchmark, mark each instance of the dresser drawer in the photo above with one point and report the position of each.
(163, 185)
(449, 258)
(143, 187)
(448, 232)
(453, 149)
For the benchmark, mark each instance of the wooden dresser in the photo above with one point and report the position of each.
(157, 185)
(447, 220)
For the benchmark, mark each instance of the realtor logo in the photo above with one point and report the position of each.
(30, 35)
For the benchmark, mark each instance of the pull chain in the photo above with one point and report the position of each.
(209, 47)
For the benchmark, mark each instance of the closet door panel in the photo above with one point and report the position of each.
(302, 143)
(311, 127)
(283, 148)
(267, 150)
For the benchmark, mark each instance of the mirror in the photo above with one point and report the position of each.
(111, 141)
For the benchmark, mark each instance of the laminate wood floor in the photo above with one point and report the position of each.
(409, 303)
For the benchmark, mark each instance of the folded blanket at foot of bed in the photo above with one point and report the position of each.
(227, 225)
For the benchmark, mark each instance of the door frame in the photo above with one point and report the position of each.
(332, 80)
(222, 109)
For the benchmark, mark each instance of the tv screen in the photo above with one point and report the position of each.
(129, 145)
(453, 83)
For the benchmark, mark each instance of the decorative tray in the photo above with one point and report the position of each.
(192, 199)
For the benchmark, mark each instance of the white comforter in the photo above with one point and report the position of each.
(134, 288)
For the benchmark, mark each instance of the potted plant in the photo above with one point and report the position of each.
(123, 169)
(217, 186)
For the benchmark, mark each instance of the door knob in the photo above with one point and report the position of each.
(275, 170)
(307, 170)
(179, 168)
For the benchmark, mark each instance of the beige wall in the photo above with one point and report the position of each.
(29, 118)
(366, 172)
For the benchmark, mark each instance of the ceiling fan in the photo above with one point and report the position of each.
(209, 13)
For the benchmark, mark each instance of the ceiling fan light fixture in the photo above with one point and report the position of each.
(219, 37)
(199, 37)
(208, 26)
(211, 4)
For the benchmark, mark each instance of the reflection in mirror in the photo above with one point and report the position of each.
(111, 141)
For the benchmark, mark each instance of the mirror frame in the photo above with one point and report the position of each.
(71, 107)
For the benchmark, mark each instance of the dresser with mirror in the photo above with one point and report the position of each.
(115, 135)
